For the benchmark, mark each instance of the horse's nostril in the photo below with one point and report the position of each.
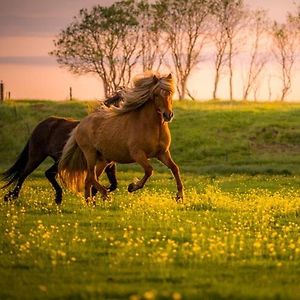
(168, 116)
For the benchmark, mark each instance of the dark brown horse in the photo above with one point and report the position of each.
(134, 132)
(47, 140)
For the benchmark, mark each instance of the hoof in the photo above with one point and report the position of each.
(112, 188)
(9, 196)
(104, 194)
(104, 197)
(179, 197)
(91, 201)
(58, 200)
(132, 187)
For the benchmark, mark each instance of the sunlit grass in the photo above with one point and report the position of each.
(235, 235)
(157, 242)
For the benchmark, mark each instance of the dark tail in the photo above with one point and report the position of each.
(114, 100)
(13, 173)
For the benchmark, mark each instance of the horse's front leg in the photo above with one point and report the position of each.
(142, 160)
(51, 174)
(167, 160)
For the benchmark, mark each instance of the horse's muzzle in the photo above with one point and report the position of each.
(168, 116)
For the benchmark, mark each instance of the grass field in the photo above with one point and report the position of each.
(235, 236)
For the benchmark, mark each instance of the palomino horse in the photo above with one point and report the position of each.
(134, 132)
(48, 139)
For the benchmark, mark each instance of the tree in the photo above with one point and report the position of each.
(184, 24)
(103, 41)
(257, 36)
(229, 20)
(285, 46)
(234, 24)
(219, 40)
(153, 46)
(296, 19)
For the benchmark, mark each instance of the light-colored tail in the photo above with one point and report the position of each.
(72, 165)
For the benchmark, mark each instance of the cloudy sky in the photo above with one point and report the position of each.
(27, 30)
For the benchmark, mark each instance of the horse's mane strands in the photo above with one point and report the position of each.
(143, 87)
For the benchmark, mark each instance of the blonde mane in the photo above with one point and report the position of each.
(144, 85)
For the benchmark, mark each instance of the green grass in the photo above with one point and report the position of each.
(207, 137)
(235, 236)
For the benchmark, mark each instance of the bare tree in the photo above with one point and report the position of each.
(229, 20)
(296, 18)
(103, 41)
(184, 24)
(257, 36)
(153, 46)
(285, 45)
(234, 24)
(219, 40)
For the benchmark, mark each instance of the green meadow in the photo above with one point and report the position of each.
(236, 235)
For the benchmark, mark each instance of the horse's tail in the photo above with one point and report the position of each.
(72, 165)
(13, 174)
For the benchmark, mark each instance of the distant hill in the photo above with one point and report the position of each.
(209, 137)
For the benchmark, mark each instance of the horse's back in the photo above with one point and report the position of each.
(51, 135)
(106, 133)
(119, 137)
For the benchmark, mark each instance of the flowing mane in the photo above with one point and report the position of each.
(144, 85)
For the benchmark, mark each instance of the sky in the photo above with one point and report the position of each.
(27, 31)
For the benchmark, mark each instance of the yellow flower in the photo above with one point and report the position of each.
(176, 296)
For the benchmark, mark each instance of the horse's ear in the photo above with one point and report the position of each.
(169, 76)
(155, 79)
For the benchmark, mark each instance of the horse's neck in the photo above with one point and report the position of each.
(157, 130)
(150, 115)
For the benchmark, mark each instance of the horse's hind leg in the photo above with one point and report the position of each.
(14, 194)
(110, 171)
(91, 177)
(142, 160)
(31, 165)
(51, 174)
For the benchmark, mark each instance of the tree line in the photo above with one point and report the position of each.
(114, 42)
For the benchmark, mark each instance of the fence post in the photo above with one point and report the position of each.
(1, 91)
(71, 94)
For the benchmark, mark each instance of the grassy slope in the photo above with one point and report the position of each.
(238, 138)
(236, 236)
(207, 137)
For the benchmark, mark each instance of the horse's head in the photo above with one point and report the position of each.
(148, 87)
(162, 95)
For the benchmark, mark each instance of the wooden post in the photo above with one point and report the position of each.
(71, 94)
(1, 91)
(8, 95)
